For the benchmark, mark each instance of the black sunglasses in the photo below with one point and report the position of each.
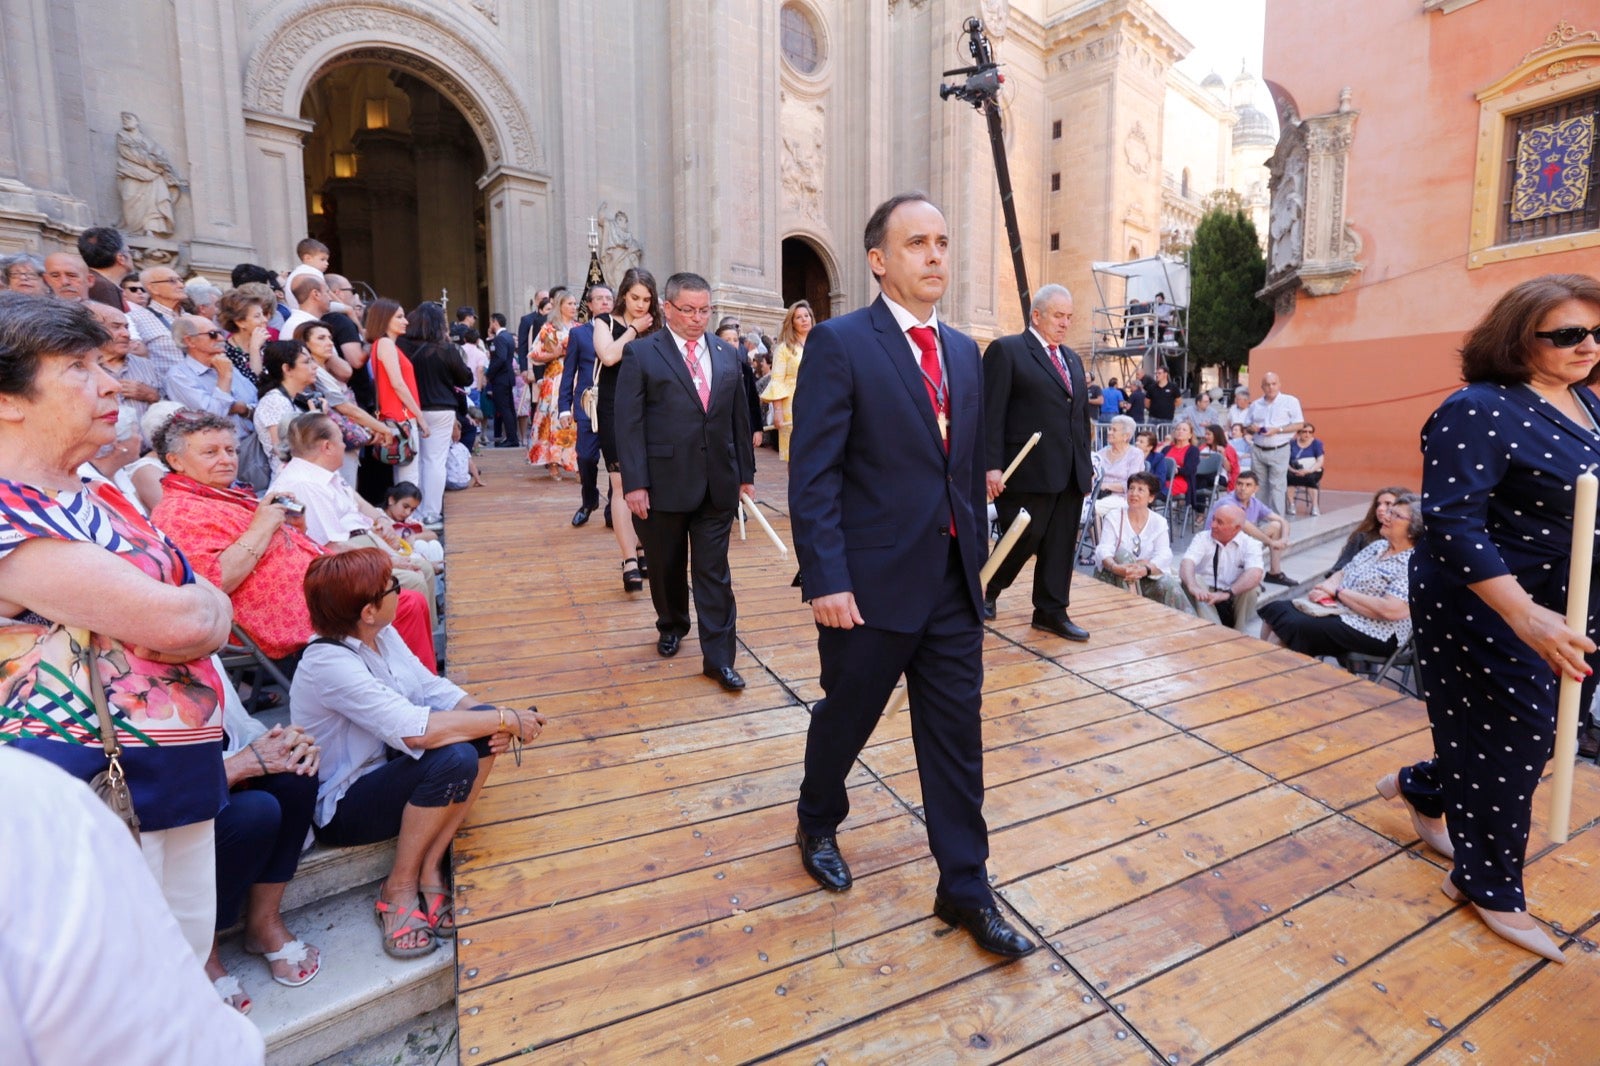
(1569, 336)
(391, 589)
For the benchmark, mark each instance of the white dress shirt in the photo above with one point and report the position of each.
(359, 703)
(1235, 557)
(332, 514)
(1152, 544)
(906, 321)
(1276, 415)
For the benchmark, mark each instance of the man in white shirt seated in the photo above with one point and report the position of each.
(335, 516)
(1260, 524)
(1221, 571)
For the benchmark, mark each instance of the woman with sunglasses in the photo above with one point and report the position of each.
(1305, 467)
(1489, 588)
(404, 752)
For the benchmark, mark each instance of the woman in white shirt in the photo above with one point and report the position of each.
(1135, 548)
(404, 752)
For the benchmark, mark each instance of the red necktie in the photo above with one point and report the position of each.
(702, 386)
(933, 377)
(1061, 368)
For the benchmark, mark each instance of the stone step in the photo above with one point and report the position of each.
(326, 872)
(359, 993)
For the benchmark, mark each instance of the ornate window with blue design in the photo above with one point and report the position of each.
(1552, 172)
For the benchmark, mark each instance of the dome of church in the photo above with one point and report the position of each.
(1253, 127)
(1213, 83)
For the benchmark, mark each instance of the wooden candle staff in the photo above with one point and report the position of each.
(1021, 455)
(1580, 564)
(761, 520)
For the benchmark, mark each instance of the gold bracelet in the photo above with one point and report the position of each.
(501, 711)
(246, 547)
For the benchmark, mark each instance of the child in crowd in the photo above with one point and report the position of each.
(314, 257)
(400, 504)
(460, 468)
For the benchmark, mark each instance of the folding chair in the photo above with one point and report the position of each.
(1203, 492)
(243, 658)
(1402, 663)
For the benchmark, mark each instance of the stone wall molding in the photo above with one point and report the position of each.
(1312, 244)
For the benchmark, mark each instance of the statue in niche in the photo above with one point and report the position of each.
(619, 249)
(1285, 229)
(800, 167)
(147, 181)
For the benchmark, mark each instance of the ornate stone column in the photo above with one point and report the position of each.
(34, 187)
(520, 256)
(275, 166)
(1311, 244)
(220, 209)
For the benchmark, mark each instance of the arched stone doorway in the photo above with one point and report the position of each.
(391, 168)
(806, 277)
(293, 50)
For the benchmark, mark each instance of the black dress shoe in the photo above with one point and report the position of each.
(726, 676)
(580, 516)
(989, 609)
(1061, 627)
(988, 927)
(820, 856)
(1279, 578)
(667, 646)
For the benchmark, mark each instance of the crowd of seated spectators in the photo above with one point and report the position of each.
(212, 437)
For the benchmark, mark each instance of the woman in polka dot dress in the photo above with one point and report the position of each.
(1489, 587)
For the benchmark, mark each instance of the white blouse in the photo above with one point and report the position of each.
(1152, 544)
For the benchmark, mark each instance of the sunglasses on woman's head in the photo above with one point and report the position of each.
(1569, 336)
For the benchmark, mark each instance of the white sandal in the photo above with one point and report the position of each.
(232, 993)
(292, 952)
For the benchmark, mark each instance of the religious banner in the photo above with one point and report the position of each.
(1553, 167)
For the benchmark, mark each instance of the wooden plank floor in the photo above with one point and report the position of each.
(1186, 815)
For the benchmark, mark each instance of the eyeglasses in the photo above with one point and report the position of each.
(166, 281)
(213, 334)
(389, 590)
(134, 288)
(1569, 336)
(692, 312)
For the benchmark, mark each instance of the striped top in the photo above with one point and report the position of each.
(168, 717)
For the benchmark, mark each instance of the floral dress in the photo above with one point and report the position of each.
(168, 716)
(553, 445)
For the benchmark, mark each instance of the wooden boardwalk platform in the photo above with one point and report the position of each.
(1186, 815)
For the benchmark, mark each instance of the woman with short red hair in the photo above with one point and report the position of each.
(405, 753)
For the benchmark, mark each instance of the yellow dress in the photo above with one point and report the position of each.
(780, 391)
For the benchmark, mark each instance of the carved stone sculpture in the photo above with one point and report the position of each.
(619, 248)
(1312, 243)
(800, 167)
(146, 180)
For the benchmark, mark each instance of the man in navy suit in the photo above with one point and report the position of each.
(577, 374)
(528, 329)
(1033, 382)
(888, 504)
(683, 434)
(501, 378)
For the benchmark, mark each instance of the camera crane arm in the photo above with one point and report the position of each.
(981, 89)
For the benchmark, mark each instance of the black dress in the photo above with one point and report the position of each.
(606, 404)
(1499, 464)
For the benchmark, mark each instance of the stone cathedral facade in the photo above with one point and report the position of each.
(478, 147)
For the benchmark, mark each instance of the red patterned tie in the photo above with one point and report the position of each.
(1061, 368)
(702, 386)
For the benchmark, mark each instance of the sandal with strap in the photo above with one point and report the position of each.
(440, 907)
(632, 579)
(293, 952)
(644, 567)
(413, 921)
(232, 993)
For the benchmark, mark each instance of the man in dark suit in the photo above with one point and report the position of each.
(501, 378)
(887, 501)
(528, 330)
(1033, 382)
(683, 434)
(577, 374)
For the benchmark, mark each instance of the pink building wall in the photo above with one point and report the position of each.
(1371, 362)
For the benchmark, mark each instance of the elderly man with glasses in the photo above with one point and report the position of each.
(206, 380)
(167, 295)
